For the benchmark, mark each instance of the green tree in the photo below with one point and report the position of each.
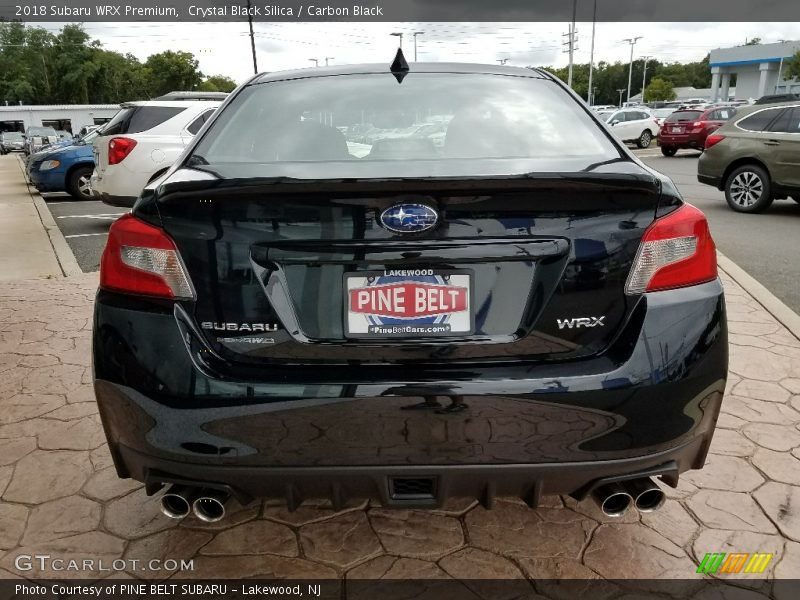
(217, 83)
(792, 66)
(172, 71)
(659, 89)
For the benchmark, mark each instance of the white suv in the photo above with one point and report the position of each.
(142, 139)
(634, 125)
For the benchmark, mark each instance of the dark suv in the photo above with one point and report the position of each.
(755, 158)
(290, 312)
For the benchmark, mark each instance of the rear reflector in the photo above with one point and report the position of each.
(142, 259)
(119, 148)
(676, 251)
(713, 139)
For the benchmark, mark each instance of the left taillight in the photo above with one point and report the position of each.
(142, 259)
(676, 251)
(119, 148)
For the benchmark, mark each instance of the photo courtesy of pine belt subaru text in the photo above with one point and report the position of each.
(408, 283)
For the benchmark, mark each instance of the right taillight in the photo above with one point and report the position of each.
(119, 148)
(713, 139)
(142, 259)
(676, 251)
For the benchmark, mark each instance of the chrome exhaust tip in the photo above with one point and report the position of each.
(210, 505)
(176, 503)
(648, 497)
(613, 500)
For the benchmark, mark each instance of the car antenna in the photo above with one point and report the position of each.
(399, 66)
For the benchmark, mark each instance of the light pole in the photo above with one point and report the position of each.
(315, 61)
(252, 38)
(591, 56)
(416, 33)
(400, 35)
(632, 42)
(502, 61)
(571, 41)
(620, 96)
(644, 75)
(327, 58)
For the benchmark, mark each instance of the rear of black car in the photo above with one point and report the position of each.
(454, 283)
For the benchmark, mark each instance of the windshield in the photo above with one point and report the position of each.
(663, 112)
(87, 138)
(12, 136)
(432, 124)
(684, 115)
(41, 131)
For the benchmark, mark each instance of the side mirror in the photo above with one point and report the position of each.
(615, 122)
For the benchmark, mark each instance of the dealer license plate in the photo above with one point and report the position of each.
(408, 303)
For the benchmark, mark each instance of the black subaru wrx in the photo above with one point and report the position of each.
(408, 284)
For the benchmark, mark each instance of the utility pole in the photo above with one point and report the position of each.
(327, 58)
(589, 93)
(252, 38)
(644, 75)
(315, 61)
(416, 33)
(620, 96)
(632, 42)
(778, 80)
(570, 43)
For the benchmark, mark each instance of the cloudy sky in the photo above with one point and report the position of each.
(224, 48)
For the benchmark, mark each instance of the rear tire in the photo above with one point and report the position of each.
(668, 150)
(748, 189)
(645, 139)
(78, 183)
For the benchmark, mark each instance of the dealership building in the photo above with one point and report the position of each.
(758, 70)
(65, 117)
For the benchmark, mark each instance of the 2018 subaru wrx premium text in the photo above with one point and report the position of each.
(325, 297)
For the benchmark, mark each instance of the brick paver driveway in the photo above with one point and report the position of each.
(60, 495)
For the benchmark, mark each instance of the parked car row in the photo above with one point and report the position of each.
(65, 167)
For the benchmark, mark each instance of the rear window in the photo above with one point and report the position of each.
(430, 125)
(684, 115)
(137, 119)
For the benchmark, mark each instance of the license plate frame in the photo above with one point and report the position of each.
(379, 327)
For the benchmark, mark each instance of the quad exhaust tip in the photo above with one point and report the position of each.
(613, 499)
(176, 503)
(648, 497)
(209, 506)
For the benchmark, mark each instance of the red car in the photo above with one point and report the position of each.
(689, 128)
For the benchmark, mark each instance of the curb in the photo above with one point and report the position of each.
(64, 256)
(785, 315)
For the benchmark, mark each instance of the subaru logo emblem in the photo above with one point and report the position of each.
(409, 218)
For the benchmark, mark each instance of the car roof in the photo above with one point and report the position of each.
(375, 68)
(171, 103)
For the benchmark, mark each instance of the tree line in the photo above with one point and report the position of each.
(38, 66)
(609, 78)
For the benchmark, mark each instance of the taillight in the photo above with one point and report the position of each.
(676, 251)
(142, 259)
(119, 148)
(713, 139)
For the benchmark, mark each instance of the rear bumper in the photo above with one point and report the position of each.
(681, 141)
(710, 180)
(118, 201)
(511, 428)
